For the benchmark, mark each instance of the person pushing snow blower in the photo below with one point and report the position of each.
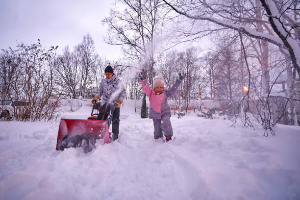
(112, 92)
(160, 110)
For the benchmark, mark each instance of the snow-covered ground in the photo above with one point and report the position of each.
(208, 159)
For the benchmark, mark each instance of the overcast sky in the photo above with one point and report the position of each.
(55, 22)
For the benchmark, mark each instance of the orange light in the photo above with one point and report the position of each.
(245, 88)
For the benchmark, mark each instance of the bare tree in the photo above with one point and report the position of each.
(190, 68)
(209, 60)
(67, 68)
(235, 15)
(28, 77)
(9, 64)
(88, 65)
(135, 27)
(184, 62)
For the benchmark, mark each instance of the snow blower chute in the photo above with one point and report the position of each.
(84, 132)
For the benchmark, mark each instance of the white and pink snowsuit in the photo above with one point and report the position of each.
(160, 110)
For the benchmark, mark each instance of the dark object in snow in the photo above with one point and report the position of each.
(208, 114)
(180, 114)
(5, 114)
(223, 113)
(87, 141)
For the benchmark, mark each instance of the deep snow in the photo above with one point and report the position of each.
(208, 159)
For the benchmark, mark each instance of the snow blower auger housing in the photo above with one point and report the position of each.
(84, 132)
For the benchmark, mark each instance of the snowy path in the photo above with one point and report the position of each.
(207, 160)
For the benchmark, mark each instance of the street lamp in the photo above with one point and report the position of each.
(245, 89)
(245, 104)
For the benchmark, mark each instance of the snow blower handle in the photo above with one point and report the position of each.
(96, 106)
(95, 99)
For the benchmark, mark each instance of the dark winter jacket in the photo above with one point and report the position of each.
(158, 102)
(111, 90)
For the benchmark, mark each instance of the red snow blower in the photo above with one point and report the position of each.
(84, 132)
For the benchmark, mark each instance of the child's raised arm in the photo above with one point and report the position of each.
(170, 92)
(145, 84)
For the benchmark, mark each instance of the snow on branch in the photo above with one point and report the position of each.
(244, 29)
(284, 40)
(279, 28)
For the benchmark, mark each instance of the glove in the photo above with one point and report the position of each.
(181, 77)
(143, 75)
(95, 99)
(118, 104)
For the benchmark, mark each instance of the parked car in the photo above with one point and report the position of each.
(8, 108)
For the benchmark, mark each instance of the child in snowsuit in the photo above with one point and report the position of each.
(160, 110)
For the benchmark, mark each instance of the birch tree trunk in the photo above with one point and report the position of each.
(290, 94)
(266, 117)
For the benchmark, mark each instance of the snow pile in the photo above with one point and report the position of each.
(208, 159)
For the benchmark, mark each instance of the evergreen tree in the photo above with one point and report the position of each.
(144, 108)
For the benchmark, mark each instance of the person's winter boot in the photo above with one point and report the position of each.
(167, 139)
(116, 136)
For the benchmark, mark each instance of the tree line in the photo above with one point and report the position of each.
(41, 77)
(250, 43)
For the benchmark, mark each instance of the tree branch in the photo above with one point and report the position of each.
(281, 41)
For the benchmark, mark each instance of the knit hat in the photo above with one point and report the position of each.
(109, 69)
(158, 81)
